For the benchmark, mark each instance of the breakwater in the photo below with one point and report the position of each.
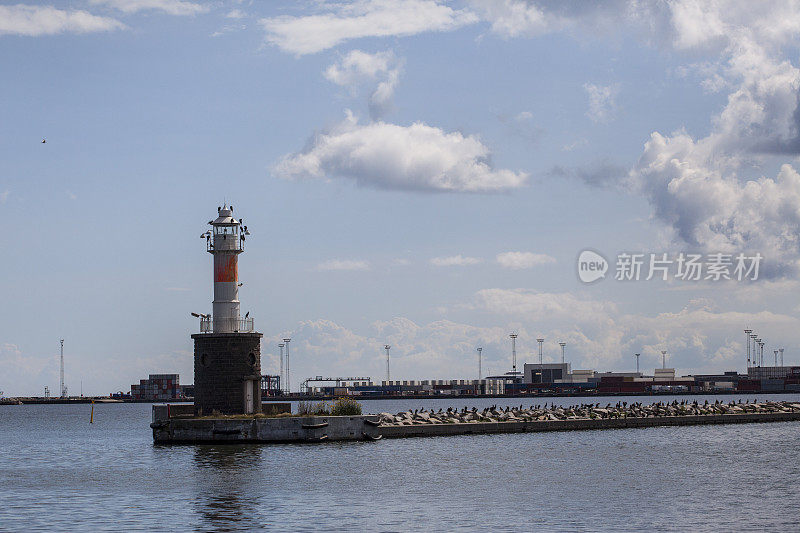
(422, 423)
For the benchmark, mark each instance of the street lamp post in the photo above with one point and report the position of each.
(281, 345)
(288, 378)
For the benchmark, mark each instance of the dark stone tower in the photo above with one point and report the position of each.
(227, 373)
(227, 351)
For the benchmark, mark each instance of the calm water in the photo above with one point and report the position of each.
(57, 472)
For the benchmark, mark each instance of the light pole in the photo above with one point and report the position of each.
(760, 352)
(637, 361)
(288, 379)
(479, 363)
(514, 353)
(747, 333)
(562, 344)
(281, 345)
(388, 375)
(541, 357)
(63, 388)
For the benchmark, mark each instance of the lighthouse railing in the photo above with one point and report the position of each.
(234, 244)
(235, 325)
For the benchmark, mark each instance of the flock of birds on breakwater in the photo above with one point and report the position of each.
(582, 412)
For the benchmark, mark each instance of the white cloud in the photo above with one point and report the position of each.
(23, 373)
(338, 22)
(235, 14)
(388, 156)
(522, 125)
(4, 196)
(513, 18)
(380, 101)
(709, 191)
(533, 305)
(530, 18)
(598, 335)
(358, 67)
(520, 260)
(700, 186)
(171, 7)
(343, 264)
(455, 260)
(602, 103)
(32, 21)
(711, 209)
(438, 350)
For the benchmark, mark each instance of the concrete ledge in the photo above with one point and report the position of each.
(186, 410)
(439, 430)
(179, 430)
(286, 429)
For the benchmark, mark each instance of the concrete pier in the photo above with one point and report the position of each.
(177, 428)
(267, 430)
(477, 428)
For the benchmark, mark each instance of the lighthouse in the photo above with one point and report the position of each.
(227, 351)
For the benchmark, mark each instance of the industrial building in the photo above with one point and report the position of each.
(559, 378)
(453, 387)
(545, 373)
(158, 387)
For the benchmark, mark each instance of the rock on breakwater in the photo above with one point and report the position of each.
(590, 411)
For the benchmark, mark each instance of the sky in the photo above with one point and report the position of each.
(419, 173)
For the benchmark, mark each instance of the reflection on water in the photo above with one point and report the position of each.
(226, 481)
(57, 472)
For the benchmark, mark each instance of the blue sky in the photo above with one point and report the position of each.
(414, 172)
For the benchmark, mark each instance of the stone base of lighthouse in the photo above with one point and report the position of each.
(227, 373)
